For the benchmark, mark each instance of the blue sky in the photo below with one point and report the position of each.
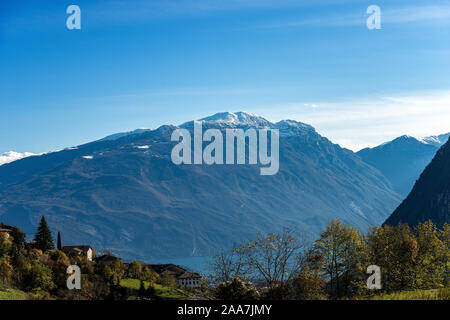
(141, 64)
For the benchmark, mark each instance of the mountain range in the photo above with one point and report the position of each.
(403, 159)
(124, 193)
(430, 197)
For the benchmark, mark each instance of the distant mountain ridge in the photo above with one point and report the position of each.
(430, 197)
(403, 159)
(437, 141)
(125, 194)
(245, 120)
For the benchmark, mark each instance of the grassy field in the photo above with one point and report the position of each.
(161, 291)
(12, 294)
(169, 293)
(435, 294)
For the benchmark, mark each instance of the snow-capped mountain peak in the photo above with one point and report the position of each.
(293, 128)
(11, 156)
(247, 120)
(436, 140)
(237, 119)
(119, 135)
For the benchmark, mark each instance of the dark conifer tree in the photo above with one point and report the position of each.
(18, 241)
(43, 237)
(59, 246)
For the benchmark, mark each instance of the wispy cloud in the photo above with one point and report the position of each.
(417, 14)
(358, 123)
(355, 16)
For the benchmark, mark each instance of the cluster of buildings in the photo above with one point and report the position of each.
(5, 230)
(182, 276)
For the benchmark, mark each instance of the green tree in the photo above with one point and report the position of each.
(18, 241)
(167, 280)
(273, 260)
(6, 271)
(86, 266)
(114, 272)
(309, 284)
(40, 278)
(432, 257)
(395, 250)
(149, 275)
(134, 270)
(59, 245)
(5, 246)
(342, 248)
(236, 289)
(227, 265)
(444, 235)
(43, 237)
(58, 262)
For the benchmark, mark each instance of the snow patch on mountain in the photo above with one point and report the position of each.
(237, 119)
(224, 120)
(11, 156)
(293, 128)
(124, 134)
(142, 147)
(436, 140)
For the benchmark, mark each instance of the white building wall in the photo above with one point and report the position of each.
(89, 255)
(190, 283)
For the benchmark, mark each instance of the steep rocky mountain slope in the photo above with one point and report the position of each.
(430, 197)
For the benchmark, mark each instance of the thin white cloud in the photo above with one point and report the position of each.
(359, 123)
(410, 14)
(416, 14)
(12, 156)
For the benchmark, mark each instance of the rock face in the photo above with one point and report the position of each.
(430, 197)
(402, 160)
(124, 193)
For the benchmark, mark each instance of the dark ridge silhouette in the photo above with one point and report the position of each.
(430, 196)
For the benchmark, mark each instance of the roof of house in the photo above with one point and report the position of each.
(174, 270)
(167, 268)
(83, 248)
(5, 228)
(189, 275)
(106, 257)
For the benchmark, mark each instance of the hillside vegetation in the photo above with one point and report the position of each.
(434, 294)
(12, 294)
(160, 290)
